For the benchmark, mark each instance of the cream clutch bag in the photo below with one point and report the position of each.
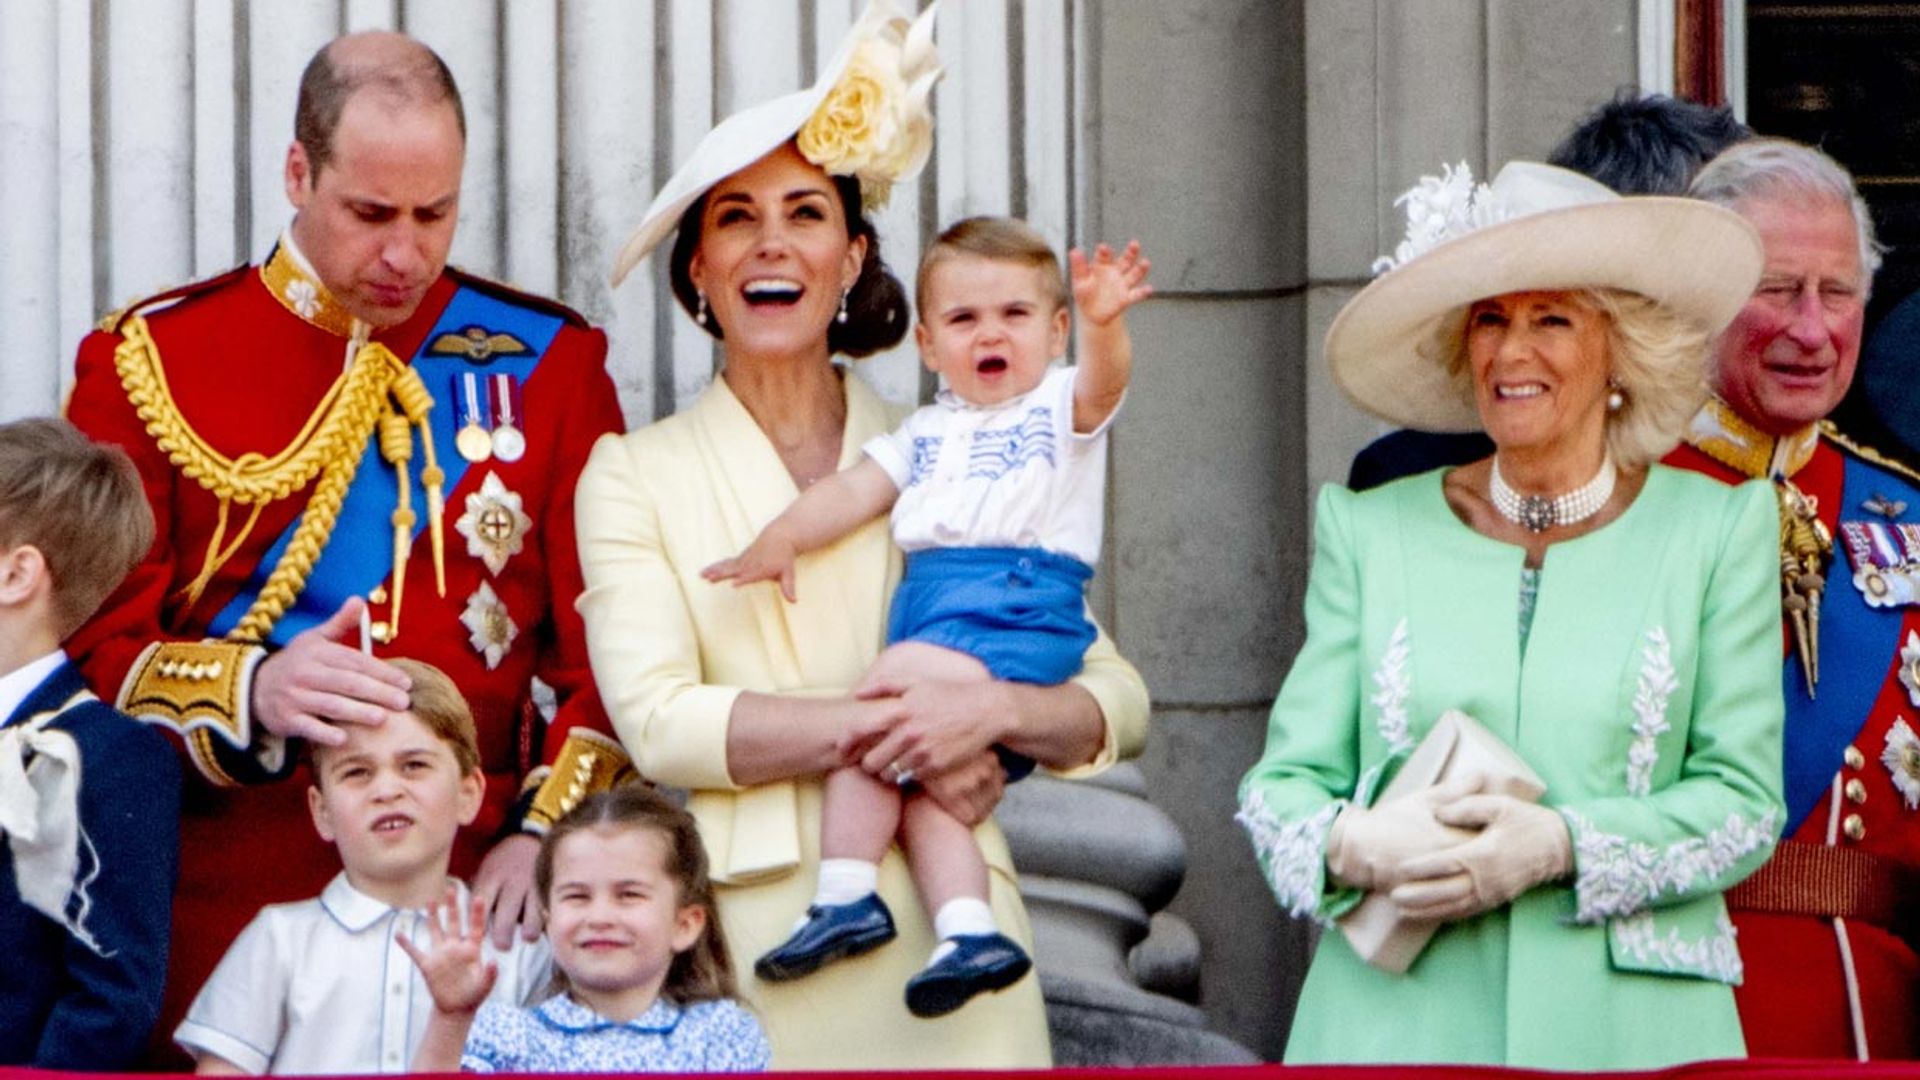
(1458, 747)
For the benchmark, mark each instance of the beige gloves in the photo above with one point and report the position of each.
(1367, 848)
(1519, 845)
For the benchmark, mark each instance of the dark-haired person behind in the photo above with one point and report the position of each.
(743, 698)
(1635, 145)
(89, 800)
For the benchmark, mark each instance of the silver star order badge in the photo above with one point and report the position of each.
(1910, 667)
(490, 630)
(495, 524)
(1902, 759)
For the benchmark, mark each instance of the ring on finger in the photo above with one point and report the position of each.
(901, 776)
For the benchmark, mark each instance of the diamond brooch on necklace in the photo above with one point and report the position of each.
(1538, 513)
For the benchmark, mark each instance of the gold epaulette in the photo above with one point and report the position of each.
(589, 763)
(1868, 454)
(201, 690)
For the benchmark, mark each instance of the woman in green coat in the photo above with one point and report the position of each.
(1612, 621)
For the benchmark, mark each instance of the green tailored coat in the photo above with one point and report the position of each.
(1647, 698)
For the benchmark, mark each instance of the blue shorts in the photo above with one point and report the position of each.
(1020, 611)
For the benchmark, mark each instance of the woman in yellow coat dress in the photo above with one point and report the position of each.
(743, 698)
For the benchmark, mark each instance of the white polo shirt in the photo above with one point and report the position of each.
(322, 986)
(1014, 474)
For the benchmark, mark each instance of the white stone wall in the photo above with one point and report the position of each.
(142, 144)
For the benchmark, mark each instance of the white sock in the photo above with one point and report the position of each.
(842, 881)
(961, 916)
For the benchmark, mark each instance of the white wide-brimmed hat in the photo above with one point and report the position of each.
(866, 116)
(1536, 227)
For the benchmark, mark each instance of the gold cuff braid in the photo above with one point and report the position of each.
(200, 690)
(589, 762)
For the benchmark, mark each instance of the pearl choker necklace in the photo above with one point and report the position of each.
(1538, 513)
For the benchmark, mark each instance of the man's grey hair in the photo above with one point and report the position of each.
(1782, 168)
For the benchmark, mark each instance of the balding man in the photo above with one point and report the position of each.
(300, 426)
(1828, 970)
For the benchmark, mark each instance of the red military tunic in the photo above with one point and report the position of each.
(1826, 973)
(246, 364)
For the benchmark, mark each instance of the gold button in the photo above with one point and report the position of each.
(1855, 828)
(1854, 758)
(1856, 791)
(378, 595)
(381, 632)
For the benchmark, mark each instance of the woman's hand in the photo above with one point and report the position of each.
(1519, 845)
(969, 791)
(1368, 848)
(931, 728)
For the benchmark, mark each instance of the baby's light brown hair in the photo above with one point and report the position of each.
(1001, 239)
(78, 503)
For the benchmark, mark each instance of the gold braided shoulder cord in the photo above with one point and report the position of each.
(1869, 454)
(330, 444)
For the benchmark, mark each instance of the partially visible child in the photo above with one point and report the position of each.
(89, 799)
(324, 985)
(641, 979)
(998, 493)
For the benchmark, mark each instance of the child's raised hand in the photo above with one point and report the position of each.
(456, 970)
(1106, 286)
(766, 559)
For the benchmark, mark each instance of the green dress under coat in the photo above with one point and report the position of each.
(1648, 698)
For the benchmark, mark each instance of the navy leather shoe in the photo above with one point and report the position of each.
(978, 964)
(831, 932)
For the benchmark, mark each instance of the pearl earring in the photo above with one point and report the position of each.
(842, 317)
(700, 309)
(1616, 397)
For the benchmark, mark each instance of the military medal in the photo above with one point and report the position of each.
(490, 630)
(509, 444)
(473, 441)
(1886, 561)
(1902, 759)
(495, 524)
(1910, 667)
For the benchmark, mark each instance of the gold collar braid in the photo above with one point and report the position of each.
(376, 384)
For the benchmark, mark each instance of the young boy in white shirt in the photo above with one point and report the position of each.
(323, 985)
(997, 492)
(89, 799)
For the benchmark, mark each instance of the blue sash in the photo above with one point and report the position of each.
(360, 555)
(1857, 647)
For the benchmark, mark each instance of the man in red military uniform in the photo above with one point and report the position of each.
(1828, 972)
(300, 427)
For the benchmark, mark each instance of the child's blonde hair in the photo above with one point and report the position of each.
(78, 503)
(702, 972)
(1000, 239)
(439, 707)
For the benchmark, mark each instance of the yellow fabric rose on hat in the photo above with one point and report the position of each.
(875, 124)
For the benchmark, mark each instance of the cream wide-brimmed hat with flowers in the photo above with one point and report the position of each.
(1536, 227)
(867, 116)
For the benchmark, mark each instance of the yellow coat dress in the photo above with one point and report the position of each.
(672, 651)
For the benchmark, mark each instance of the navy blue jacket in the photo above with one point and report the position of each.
(61, 1005)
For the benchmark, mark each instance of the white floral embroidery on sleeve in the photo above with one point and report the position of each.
(1716, 956)
(1657, 684)
(1618, 876)
(1293, 853)
(1395, 685)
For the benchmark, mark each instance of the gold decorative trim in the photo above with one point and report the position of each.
(1869, 454)
(199, 689)
(302, 293)
(588, 763)
(1728, 438)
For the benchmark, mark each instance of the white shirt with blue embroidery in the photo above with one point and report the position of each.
(560, 1035)
(1014, 474)
(321, 986)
